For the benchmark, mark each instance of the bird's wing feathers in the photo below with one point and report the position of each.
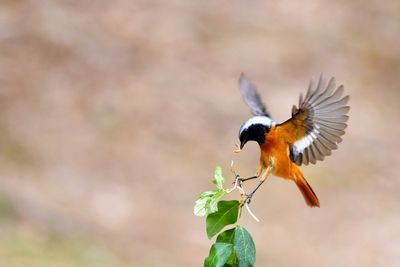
(250, 95)
(318, 123)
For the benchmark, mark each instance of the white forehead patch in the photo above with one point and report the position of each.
(258, 120)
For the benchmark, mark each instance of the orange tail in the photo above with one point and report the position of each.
(309, 196)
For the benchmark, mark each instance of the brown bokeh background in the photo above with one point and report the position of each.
(113, 115)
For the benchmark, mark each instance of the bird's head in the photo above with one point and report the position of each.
(254, 129)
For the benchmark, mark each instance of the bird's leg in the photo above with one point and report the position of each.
(250, 196)
(241, 179)
(263, 177)
(246, 179)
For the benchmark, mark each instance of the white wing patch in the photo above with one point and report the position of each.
(326, 112)
(307, 140)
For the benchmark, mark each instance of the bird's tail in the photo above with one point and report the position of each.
(309, 196)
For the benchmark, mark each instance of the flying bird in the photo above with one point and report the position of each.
(313, 131)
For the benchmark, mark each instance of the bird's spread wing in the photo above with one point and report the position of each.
(251, 96)
(318, 123)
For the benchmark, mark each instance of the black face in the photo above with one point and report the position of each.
(255, 132)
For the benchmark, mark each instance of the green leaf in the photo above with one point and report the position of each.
(227, 214)
(244, 248)
(214, 201)
(207, 194)
(227, 236)
(219, 254)
(207, 202)
(200, 207)
(218, 179)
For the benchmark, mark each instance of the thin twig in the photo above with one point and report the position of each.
(251, 213)
(237, 148)
(237, 184)
(233, 171)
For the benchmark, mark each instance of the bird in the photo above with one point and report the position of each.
(315, 129)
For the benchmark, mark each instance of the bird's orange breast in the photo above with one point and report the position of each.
(276, 149)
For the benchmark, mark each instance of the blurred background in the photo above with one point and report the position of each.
(113, 115)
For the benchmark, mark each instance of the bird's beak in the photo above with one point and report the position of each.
(242, 144)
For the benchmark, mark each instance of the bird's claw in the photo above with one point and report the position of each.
(240, 179)
(237, 179)
(248, 198)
